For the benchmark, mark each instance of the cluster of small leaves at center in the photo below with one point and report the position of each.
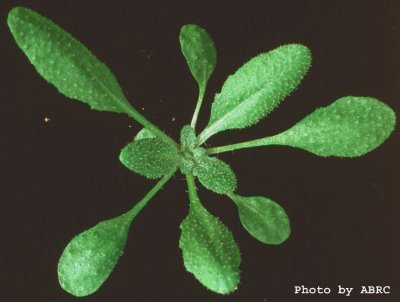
(153, 158)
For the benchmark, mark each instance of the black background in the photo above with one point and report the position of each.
(62, 177)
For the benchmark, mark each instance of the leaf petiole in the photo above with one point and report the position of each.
(133, 113)
(131, 214)
(193, 197)
(271, 140)
(198, 106)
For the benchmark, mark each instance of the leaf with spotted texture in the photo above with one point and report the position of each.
(215, 175)
(90, 257)
(349, 127)
(64, 62)
(257, 87)
(263, 218)
(199, 51)
(150, 157)
(209, 250)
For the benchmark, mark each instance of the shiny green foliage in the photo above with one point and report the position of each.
(263, 218)
(150, 157)
(257, 87)
(209, 251)
(65, 62)
(199, 51)
(349, 127)
(91, 256)
(215, 175)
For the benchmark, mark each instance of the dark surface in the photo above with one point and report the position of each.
(61, 177)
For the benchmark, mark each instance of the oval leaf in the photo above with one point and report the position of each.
(150, 157)
(263, 218)
(349, 127)
(209, 251)
(215, 175)
(199, 51)
(91, 256)
(257, 87)
(65, 62)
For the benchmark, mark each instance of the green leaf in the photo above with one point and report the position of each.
(257, 87)
(188, 138)
(91, 256)
(199, 51)
(65, 62)
(150, 157)
(144, 133)
(263, 218)
(349, 127)
(209, 251)
(215, 175)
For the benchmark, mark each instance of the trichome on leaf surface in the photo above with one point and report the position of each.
(351, 126)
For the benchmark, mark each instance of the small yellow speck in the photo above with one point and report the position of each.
(173, 119)
(46, 119)
(142, 108)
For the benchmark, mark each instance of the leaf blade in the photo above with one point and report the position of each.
(65, 63)
(215, 175)
(349, 127)
(209, 250)
(150, 157)
(257, 87)
(90, 257)
(199, 51)
(263, 218)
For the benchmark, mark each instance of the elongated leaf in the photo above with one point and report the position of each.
(215, 175)
(91, 256)
(65, 62)
(349, 127)
(263, 218)
(150, 157)
(209, 251)
(257, 87)
(199, 51)
(144, 133)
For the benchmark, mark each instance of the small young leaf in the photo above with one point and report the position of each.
(215, 175)
(209, 251)
(257, 87)
(150, 157)
(188, 138)
(91, 256)
(144, 133)
(349, 127)
(65, 62)
(263, 218)
(199, 51)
